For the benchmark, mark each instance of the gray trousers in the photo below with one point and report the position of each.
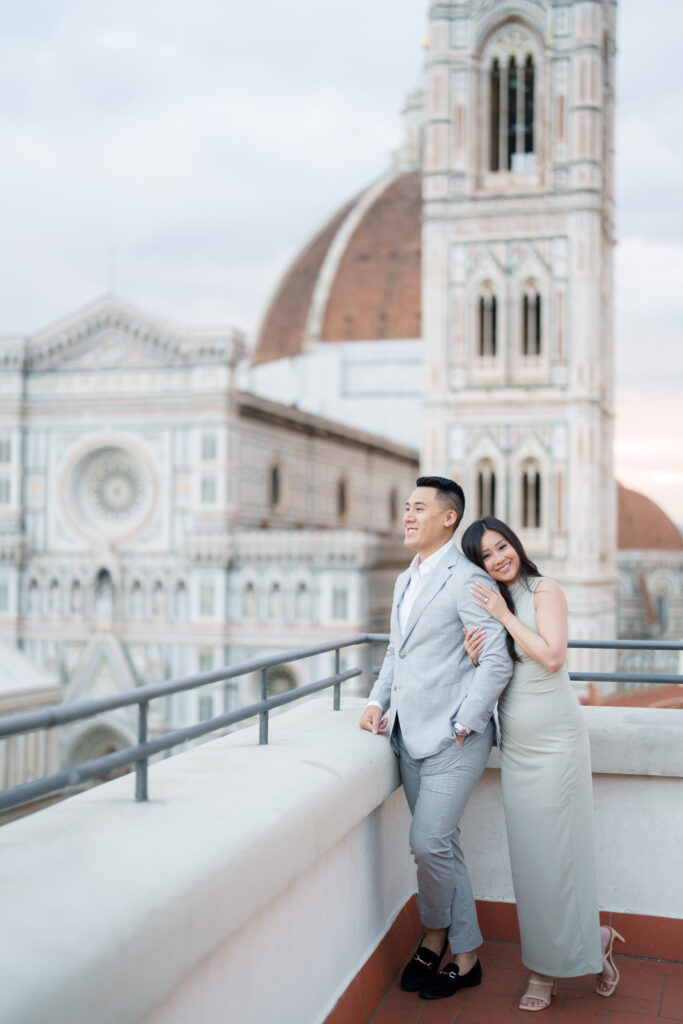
(437, 789)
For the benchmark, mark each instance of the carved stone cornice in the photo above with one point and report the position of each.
(12, 354)
(166, 345)
(212, 550)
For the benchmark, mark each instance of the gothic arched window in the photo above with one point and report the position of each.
(136, 600)
(393, 507)
(302, 603)
(342, 500)
(104, 596)
(180, 601)
(249, 601)
(76, 598)
(54, 598)
(531, 322)
(512, 102)
(487, 323)
(275, 601)
(486, 489)
(275, 486)
(531, 495)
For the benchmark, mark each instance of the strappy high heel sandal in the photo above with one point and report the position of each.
(541, 990)
(607, 986)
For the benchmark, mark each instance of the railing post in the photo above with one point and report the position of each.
(141, 765)
(336, 705)
(263, 715)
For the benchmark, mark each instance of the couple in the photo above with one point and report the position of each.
(457, 640)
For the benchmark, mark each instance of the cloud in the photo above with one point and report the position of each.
(182, 154)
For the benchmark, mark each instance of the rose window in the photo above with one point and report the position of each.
(111, 490)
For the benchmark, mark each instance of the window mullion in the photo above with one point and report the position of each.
(503, 106)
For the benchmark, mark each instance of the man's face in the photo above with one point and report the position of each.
(427, 524)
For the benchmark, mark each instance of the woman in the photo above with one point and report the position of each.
(545, 772)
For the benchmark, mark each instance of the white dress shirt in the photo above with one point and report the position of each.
(419, 571)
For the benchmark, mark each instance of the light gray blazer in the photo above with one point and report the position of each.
(427, 677)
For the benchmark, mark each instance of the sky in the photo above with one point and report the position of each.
(180, 155)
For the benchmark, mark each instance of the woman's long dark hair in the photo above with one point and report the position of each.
(471, 546)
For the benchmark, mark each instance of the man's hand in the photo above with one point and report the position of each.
(373, 720)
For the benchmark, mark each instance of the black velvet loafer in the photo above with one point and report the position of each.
(449, 980)
(421, 968)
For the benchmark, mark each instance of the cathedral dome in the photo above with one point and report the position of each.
(357, 279)
(643, 525)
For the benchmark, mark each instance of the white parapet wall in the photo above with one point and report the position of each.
(637, 760)
(251, 887)
(257, 880)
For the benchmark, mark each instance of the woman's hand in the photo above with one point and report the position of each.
(474, 641)
(490, 600)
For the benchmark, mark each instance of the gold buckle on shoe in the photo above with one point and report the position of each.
(418, 960)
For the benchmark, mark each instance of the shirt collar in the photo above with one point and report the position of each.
(418, 569)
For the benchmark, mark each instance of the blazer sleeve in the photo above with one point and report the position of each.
(493, 673)
(381, 691)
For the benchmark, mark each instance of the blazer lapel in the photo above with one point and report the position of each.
(433, 585)
(401, 583)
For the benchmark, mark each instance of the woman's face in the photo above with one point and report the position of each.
(500, 559)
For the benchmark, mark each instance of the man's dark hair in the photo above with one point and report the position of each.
(448, 493)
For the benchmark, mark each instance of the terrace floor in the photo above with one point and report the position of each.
(649, 991)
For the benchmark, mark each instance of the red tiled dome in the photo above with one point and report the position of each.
(643, 525)
(374, 287)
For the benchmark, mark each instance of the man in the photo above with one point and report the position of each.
(436, 706)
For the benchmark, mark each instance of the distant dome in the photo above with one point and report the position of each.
(643, 525)
(358, 279)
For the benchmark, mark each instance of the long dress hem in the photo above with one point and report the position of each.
(548, 802)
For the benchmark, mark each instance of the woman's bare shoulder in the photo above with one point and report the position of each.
(550, 589)
(546, 585)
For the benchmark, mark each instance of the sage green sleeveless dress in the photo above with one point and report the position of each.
(548, 801)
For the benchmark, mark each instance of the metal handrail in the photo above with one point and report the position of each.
(140, 753)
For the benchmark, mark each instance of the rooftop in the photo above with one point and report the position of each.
(275, 884)
(357, 279)
(642, 524)
(649, 990)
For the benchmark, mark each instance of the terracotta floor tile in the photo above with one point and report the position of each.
(637, 983)
(493, 1017)
(638, 1018)
(479, 1005)
(645, 984)
(650, 966)
(349, 1009)
(672, 998)
(440, 1011)
(631, 1004)
(394, 1016)
(579, 1007)
(503, 980)
(371, 986)
(397, 999)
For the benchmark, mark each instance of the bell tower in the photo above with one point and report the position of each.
(517, 280)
